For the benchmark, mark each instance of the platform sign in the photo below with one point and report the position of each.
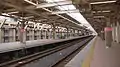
(107, 29)
(22, 35)
(22, 30)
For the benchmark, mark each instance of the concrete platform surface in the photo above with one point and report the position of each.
(103, 57)
(95, 54)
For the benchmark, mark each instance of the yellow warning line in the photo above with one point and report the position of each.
(88, 58)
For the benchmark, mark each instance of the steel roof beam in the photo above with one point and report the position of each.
(21, 8)
(51, 11)
(65, 11)
(103, 2)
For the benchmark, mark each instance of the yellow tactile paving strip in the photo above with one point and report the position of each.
(87, 60)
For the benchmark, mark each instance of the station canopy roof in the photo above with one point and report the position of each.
(58, 12)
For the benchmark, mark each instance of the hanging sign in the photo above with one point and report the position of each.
(22, 30)
(108, 29)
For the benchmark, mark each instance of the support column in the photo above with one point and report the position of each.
(54, 31)
(70, 33)
(22, 32)
(73, 33)
(108, 33)
(33, 34)
(102, 34)
(118, 32)
(50, 33)
(61, 34)
(14, 35)
(77, 32)
(1, 32)
(41, 33)
(67, 33)
(47, 34)
(114, 32)
(58, 33)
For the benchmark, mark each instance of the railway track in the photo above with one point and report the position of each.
(66, 59)
(34, 57)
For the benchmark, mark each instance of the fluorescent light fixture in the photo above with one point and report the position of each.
(99, 17)
(30, 2)
(99, 11)
(13, 12)
(107, 11)
(65, 11)
(104, 2)
(93, 11)
(5, 14)
(14, 16)
(43, 5)
(28, 17)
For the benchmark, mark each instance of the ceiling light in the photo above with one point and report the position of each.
(99, 17)
(106, 11)
(4, 14)
(93, 12)
(65, 11)
(13, 12)
(30, 2)
(43, 5)
(28, 17)
(104, 2)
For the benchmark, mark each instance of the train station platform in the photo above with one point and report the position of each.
(95, 54)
